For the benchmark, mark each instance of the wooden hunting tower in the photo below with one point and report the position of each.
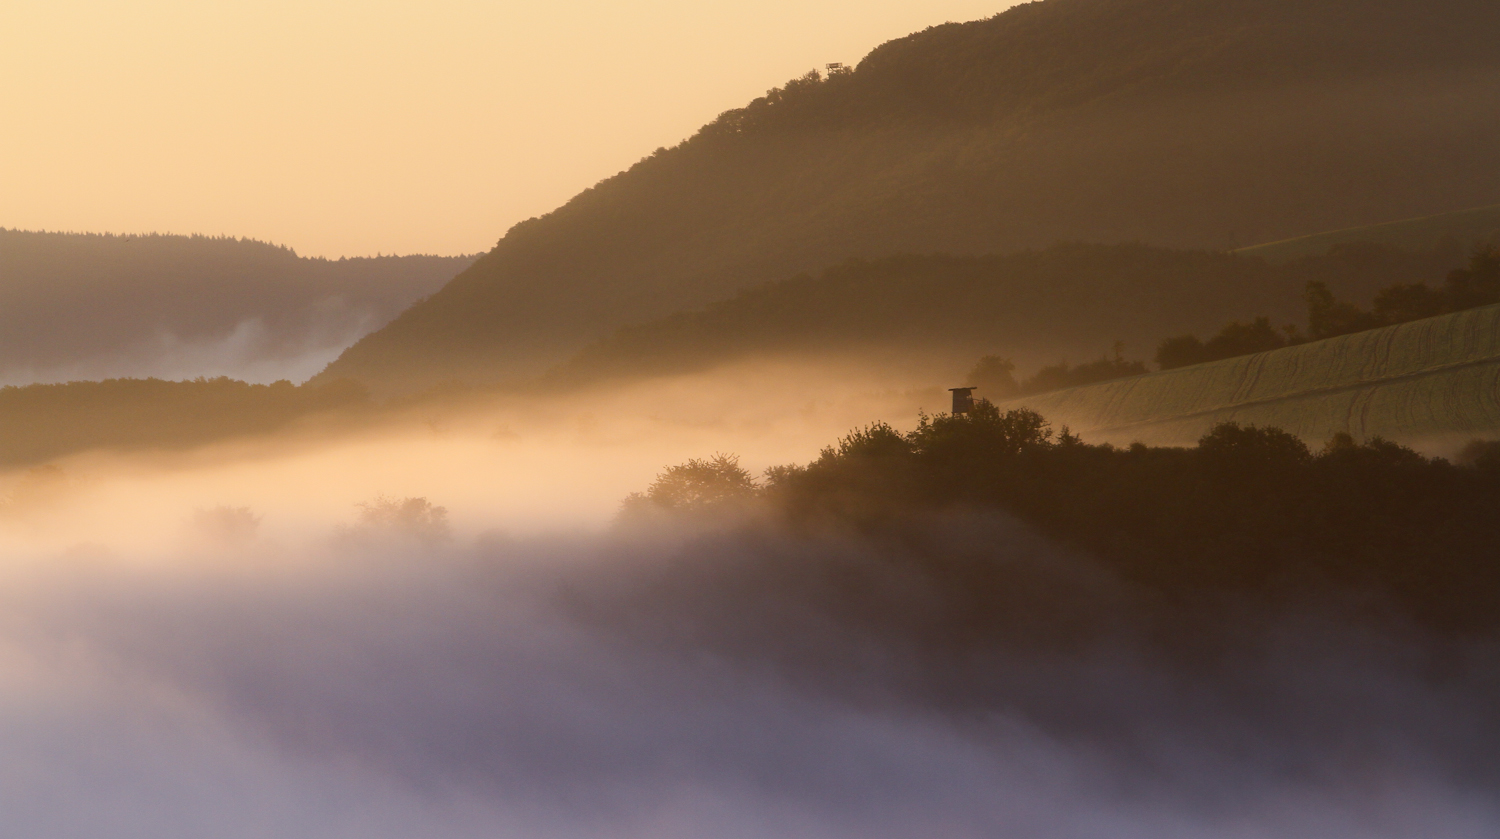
(963, 401)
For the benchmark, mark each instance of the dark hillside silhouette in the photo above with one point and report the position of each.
(1470, 287)
(1250, 512)
(1206, 124)
(76, 306)
(1068, 302)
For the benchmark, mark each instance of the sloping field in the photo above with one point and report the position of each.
(1463, 229)
(1429, 383)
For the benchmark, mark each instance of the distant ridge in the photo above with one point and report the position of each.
(1433, 381)
(1462, 230)
(1180, 123)
(94, 306)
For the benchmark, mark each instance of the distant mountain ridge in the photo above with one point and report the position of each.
(94, 306)
(1186, 123)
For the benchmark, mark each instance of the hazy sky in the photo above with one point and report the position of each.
(349, 128)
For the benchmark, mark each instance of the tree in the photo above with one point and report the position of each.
(1250, 451)
(1478, 284)
(1238, 339)
(1402, 303)
(1181, 351)
(416, 518)
(984, 431)
(1105, 369)
(994, 377)
(1481, 454)
(1328, 316)
(1233, 340)
(696, 486)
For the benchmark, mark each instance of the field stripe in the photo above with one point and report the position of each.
(1425, 380)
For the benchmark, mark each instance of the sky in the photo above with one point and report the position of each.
(358, 128)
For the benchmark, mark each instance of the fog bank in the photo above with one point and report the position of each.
(437, 627)
(735, 682)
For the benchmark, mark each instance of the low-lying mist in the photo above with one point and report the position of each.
(77, 306)
(440, 628)
(522, 463)
(250, 350)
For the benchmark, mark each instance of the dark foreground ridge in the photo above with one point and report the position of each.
(1249, 597)
(1248, 515)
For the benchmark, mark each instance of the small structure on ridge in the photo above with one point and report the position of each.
(963, 400)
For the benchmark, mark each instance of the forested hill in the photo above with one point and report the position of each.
(90, 306)
(1204, 124)
(1064, 303)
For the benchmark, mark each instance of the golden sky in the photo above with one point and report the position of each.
(351, 128)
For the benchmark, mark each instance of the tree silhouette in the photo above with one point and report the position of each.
(696, 486)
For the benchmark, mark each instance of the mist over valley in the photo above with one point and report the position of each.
(77, 307)
(1079, 422)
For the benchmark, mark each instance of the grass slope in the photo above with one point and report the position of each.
(1462, 229)
(1184, 124)
(1432, 381)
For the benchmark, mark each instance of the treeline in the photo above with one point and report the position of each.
(1249, 512)
(1035, 306)
(995, 376)
(1465, 288)
(42, 422)
(1476, 285)
(976, 72)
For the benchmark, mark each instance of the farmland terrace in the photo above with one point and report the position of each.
(1431, 383)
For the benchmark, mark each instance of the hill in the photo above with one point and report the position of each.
(87, 306)
(1429, 382)
(43, 422)
(1464, 228)
(1185, 123)
(1067, 302)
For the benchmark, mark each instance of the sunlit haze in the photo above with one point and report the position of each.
(1079, 421)
(345, 129)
